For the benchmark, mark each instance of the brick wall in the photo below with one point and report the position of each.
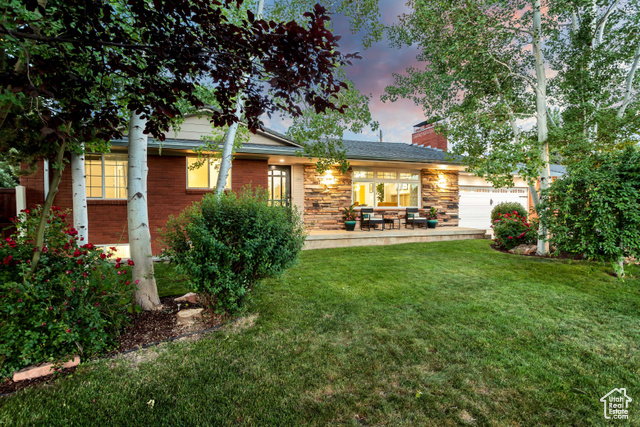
(427, 137)
(440, 190)
(167, 193)
(323, 205)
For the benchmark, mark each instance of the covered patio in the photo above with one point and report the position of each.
(325, 239)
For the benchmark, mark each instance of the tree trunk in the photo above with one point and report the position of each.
(79, 190)
(46, 208)
(618, 267)
(227, 148)
(541, 109)
(227, 152)
(146, 294)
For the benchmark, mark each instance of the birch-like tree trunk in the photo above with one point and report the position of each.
(229, 138)
(146, 294)
(541, 115)
(79, 191)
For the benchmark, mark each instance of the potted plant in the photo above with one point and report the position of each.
(432, 218)
(350, 218)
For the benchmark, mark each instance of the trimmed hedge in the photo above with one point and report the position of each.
(227, 244)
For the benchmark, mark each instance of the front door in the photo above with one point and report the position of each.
(280, 185)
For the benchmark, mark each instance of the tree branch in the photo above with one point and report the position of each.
(599, 30)
(514, 74)
(46, 39)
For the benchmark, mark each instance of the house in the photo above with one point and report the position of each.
(387, 176)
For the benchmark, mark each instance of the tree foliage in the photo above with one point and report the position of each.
(595, 209)
(481, 72)
(78, 62)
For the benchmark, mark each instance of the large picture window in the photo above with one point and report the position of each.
(394, 189)
(204, 176)
(106, 176)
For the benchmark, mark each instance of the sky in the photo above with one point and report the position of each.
(371, 75)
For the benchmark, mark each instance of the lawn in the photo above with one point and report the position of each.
(447, 333)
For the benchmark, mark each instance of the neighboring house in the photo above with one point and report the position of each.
(387, 176)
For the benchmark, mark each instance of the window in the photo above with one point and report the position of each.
(395, 189)
(106, 176)
(206, 175)
(121, 250)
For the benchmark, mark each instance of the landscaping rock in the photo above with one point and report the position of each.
(42, 370)
(524, 250)
(189, 317)
(191, 298)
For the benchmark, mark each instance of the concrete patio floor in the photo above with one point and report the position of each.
(324, 239)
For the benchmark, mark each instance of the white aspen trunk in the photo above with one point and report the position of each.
(618, 267)
(79, 191)
(603, 22)
(227, 151)
(146, 294)
(630, 75)
(227, 148)
(541, 109)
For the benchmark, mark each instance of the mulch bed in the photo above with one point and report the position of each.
(563, 255)
(146, 328)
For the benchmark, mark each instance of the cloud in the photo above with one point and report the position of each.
(373, 73)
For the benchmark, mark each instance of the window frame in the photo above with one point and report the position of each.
(103, 178)
(210, 188)
(375, 181)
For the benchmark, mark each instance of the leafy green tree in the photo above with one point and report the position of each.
(595, 209)
(492, 66)
(72, 71)
(8, 176)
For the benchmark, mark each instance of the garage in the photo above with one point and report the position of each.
(476, 203)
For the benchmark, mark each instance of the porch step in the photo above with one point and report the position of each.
(321, 239)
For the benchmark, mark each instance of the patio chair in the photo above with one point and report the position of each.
(368, 218)
(413, 217)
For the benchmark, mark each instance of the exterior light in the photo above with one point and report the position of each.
(328, 178)
(281, 160)
(442, 182)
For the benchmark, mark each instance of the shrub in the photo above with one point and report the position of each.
(226, 244)
(75, 301)
(511, 229)
(594, 210)
(432, 214)
(507, 208)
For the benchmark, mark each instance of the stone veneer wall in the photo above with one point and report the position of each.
(323, 206)
(445, 199)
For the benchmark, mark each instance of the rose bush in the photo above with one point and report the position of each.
(73, 303)
(512, 229)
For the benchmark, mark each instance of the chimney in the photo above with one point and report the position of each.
(424, 135)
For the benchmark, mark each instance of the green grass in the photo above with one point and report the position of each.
(168, 281)
(417, 334)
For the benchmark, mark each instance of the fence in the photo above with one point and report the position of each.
(7, 210)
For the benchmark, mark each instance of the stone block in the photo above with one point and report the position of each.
(42, 370)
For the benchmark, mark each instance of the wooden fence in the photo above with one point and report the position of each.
(7, 210)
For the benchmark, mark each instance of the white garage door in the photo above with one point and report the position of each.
(476, 203)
